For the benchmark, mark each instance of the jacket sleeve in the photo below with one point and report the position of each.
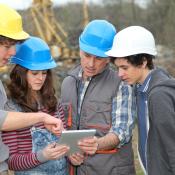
(3, 115)
(162, 116)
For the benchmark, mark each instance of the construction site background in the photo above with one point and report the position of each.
(60, 27)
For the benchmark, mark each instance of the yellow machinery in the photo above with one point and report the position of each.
(49, 29)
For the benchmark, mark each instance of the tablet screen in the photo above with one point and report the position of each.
(72, 137)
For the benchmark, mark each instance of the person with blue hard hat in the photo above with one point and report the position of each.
(11, 33)
(93, 96)
(33, 150)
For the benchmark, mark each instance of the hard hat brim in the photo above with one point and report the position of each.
(121, 53)
(16, 36)
(42, 66)
(92, 50)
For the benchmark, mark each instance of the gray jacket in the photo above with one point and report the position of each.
(96, 113)
(4, 152)
(161, 136)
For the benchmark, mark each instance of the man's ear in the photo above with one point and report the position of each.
(80, 53)
(108, 60)
(144, 65)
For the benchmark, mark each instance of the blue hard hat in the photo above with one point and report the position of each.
(97, 38)
(33, 54)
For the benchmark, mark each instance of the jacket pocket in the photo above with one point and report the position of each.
(67, 109)
(98, 116)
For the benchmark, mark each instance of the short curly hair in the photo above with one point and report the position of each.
(9, 41)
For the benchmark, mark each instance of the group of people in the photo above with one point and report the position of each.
(93, 95)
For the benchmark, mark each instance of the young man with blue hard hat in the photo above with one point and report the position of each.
(133, 53)
(11, 32)
(93, 96)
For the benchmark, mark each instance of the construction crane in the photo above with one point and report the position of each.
(85, 11)
(49, 29)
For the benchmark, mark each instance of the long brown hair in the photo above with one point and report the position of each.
(19, 91)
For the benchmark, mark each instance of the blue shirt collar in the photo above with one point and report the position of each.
(144, 87)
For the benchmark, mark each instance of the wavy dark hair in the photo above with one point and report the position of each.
(137, 60)
(20, 93)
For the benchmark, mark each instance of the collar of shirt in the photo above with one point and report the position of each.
(143, 119)
(80, 76)
(82, 89)
(144, 87)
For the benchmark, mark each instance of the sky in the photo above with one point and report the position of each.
(24, 4)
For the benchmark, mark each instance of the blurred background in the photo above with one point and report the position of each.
(60, 22)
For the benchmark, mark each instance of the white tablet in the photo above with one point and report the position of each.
(72, 137)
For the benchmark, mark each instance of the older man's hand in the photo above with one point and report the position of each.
(88, 145)
(76, 159)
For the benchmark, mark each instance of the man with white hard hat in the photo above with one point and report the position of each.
(133, 52)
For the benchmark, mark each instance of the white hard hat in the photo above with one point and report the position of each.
(131, 41)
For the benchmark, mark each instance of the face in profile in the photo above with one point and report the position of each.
(128, 72)
(36, 79)
(91, 64)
